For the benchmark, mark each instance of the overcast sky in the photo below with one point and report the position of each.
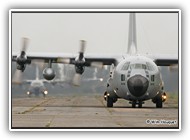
(104, 32)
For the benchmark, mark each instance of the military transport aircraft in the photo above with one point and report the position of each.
(133, 77)
(37, 86)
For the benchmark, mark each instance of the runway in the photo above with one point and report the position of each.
(89, 111)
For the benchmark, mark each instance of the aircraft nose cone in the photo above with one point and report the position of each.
(137, 85)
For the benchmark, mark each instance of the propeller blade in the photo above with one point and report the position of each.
(38, 62)
(82, 49)
(24, 44)
(77, 79)
(17, 77)
(97, 65)
(63, 60)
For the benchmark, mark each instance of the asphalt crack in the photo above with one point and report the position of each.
(33, 108)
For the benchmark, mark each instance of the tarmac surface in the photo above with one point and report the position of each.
(89, 111)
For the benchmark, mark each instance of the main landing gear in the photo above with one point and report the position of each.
(109, 100)
(159, 99)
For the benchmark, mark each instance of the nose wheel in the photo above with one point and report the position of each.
(134, 103)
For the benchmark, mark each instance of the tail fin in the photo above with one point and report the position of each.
(132, 39)
(37, 72)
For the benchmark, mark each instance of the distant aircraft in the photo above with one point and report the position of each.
(133, 77)
(37, 86)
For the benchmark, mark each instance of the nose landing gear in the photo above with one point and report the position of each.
(134, 103)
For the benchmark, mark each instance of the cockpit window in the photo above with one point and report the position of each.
(138, 66)
(150, 67)
(125, 66)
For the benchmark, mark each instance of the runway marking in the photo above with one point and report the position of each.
(32, 108)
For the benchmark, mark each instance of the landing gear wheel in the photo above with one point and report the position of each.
(109, 102)
(140, 104)
(133, 104)
(159, 103)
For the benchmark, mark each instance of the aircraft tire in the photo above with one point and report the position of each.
(133, 104)
(140, 104)
(109, 102)
(159, 103)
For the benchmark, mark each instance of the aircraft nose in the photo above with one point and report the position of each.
(137, 85)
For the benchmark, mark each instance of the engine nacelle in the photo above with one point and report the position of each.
(79, 69)
(21, 67)
(21, 59)
(21, 62)
(79, 65)
(49, 73)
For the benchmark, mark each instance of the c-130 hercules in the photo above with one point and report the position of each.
(133, 77)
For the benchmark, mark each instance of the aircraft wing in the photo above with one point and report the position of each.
(165, 59)
(93, 59)
(23, 82)
(70, 58)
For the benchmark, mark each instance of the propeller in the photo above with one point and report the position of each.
(79, 63)
(77, 79)
(25, 44)
(17, 77)
(38, 62)
(23, 48)
(82, 49)
(97, 64)
(22, 60)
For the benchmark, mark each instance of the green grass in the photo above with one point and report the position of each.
(172, 99)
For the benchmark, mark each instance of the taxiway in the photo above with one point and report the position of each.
(81, 111)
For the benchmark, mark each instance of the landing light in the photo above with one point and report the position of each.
(164, 97)
(45, 92)
(101, 79)
(28, 92)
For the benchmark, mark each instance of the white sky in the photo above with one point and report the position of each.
(104, 32)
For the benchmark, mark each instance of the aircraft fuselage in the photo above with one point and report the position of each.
(37, 88)
(136, 79)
